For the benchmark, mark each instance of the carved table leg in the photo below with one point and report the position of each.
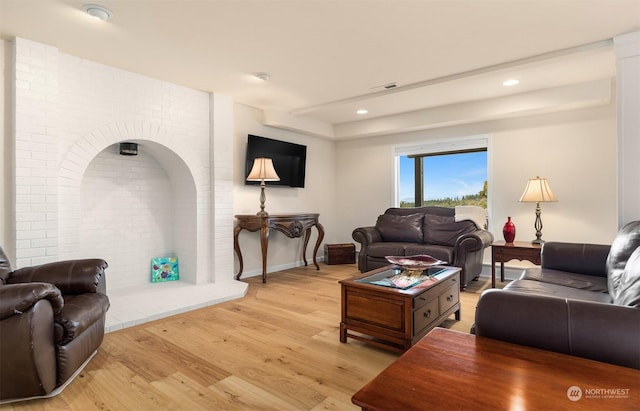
(307, 234)
(315, 250)
(236, 247)
(264, 244)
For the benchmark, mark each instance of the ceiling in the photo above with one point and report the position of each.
(327, 58)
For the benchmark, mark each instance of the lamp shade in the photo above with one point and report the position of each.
(537, 190)
(263, 170)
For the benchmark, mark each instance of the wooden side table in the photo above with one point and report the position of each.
(292, 225)
(518, 250)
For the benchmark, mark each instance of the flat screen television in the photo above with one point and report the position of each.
(289, 160)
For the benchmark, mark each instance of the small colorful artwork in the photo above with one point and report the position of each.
(164, 269)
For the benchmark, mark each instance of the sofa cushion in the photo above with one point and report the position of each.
(625, 243)
(629, 286)
(441, 252)
(381, 250)
(588, 259)
(567, 279)
(555, 290)
(402, 228)
(444, 230)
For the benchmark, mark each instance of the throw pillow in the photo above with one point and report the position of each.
(629, 286)
(443, 230)
(402, 228)
(627, 240)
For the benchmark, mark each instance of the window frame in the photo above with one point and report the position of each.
(434, 148)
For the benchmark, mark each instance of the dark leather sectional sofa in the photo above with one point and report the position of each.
(423, 230)
(52, 320)
(584, 300)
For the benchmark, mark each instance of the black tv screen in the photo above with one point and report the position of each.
(289, 160)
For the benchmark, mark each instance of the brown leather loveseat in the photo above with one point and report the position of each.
(52, 319)
(424, 230)
(584, 300)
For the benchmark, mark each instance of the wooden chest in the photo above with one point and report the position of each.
(340, 253)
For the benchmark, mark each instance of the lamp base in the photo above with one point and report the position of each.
(262, 214)
(537, 241)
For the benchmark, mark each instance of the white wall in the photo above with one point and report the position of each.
(575, 150)
(627, 47)
(316, 197)
(5, 150)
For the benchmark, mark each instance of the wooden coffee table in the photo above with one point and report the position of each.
(396, 318)
(450, 370)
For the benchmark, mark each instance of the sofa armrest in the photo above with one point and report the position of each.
(27, 351)
(78, 314)
(15, 299)
(366, 236)
(477, 240)
(598, 331)
(469, 252)
(588, 259)
(71, 276)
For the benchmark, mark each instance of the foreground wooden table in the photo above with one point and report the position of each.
(450, 370)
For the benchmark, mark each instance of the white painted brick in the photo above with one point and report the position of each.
(30, 253)
(82, 108)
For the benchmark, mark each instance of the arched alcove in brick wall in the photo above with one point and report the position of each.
(129, 209)
(135, 208)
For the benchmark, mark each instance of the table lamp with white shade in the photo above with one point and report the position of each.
(537, 191)
(262, 171)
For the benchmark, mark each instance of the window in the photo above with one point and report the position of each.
(443, 174)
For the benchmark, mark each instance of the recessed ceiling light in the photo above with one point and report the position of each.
(511, 82)
(362, 111)
(263, 76)
(99, 12)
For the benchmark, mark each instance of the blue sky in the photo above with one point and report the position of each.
(451, 175)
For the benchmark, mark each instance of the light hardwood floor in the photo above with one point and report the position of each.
(275, 349)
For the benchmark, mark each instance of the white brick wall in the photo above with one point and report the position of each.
(36, 94)
(70, 115)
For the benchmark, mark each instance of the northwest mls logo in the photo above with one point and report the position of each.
(574, 393)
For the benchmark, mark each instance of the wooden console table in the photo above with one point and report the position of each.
(496, 375)
(518, 250)
(292, 225)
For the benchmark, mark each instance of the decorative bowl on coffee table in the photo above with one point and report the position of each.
(414, 264)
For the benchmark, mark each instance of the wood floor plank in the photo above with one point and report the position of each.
(251, 397)
(277, 348)
(190, 394)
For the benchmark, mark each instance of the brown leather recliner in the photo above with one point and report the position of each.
(52, 319)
